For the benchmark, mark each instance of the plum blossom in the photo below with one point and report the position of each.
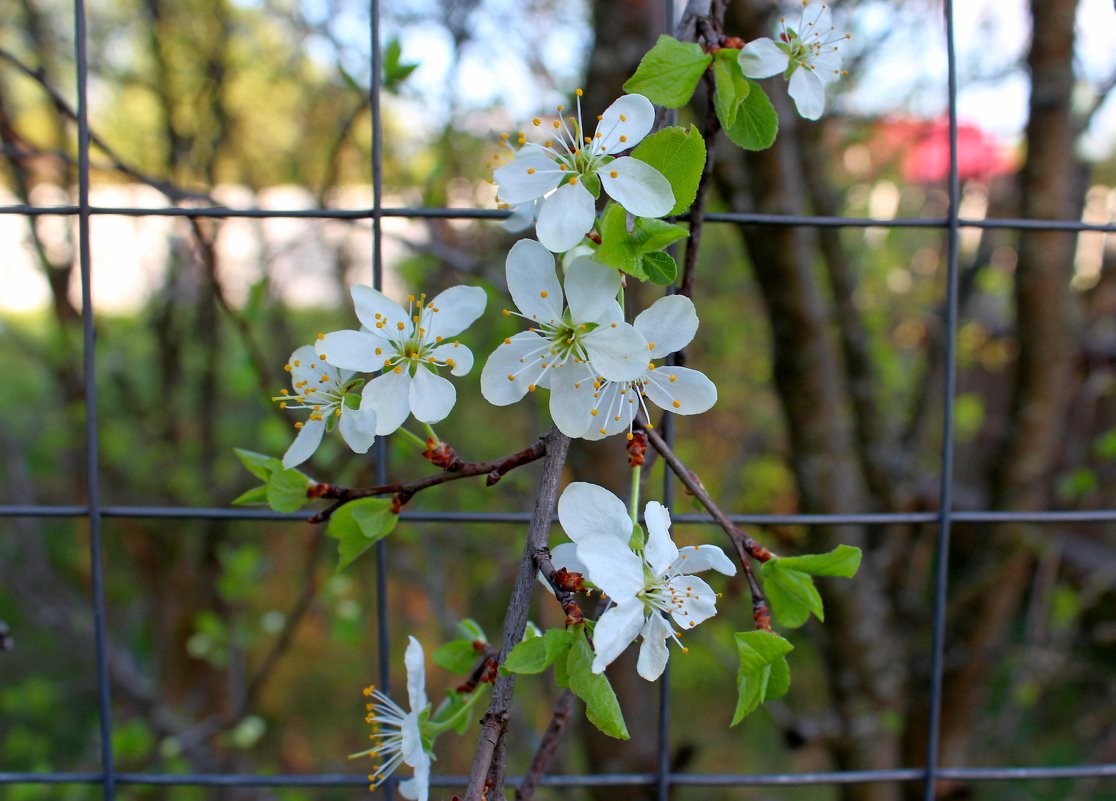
(558, 170)
(398, 735)
(410, 345)
(644, 584)
(807, 54)
(668, 326)
(567, 346)
(322, 389)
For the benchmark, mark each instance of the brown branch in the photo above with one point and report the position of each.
(559, 720)
(403, 491)
(495, 720)
(564, 583)
(697, 210)
(746, 547)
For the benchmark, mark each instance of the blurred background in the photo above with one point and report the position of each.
(235, 647)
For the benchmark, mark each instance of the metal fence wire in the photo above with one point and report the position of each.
(663, 779)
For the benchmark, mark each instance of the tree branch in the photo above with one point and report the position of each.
(495, 720)
(559, 720)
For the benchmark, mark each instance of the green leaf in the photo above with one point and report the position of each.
(592, 183)
(456, 656)
(286, 490)
(757, 679)
(730, 87)
(395, 70)
(254, 495)
(661, 268)
(669, 73)
(601, 707)
(538, 653)
(842, 561)
(469, 629)
(680, 156)
(792, 594)
(258, 464)
(625, 250)
(756, 122)
(358, 525)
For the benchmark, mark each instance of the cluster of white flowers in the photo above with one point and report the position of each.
(646, 584)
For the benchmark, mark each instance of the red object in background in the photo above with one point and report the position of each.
(922, 146)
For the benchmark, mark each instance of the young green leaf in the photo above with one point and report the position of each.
(842, 561)
(469, 629)
(758, 679)
(538, 653)
(669, 73)
(258, 464)
(791, 593)
(731, 88)
(679, 154)
(358, 525)
(601, 707)
(286, 490)
(456, 656)
(756, 123)
(254, 495)
(661, 268)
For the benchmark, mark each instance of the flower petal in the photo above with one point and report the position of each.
(532, 282)
(808, 93)
(617, 352)
(696, 558)
(639, 116)
(301, 370)
(531, 175)
(612, 566)
(571, 398)
(523, 216)
(431, 397)
(369, 302)
(417, 788)
(358, 428)
(565, 556)
(587, 510)
(513, 368)
(661, 551)
(616, 628)
(455, 355)
(690, 390)
(696, 601)
(452, 311)
(669, 324)
(566, 217)
(388, 396)
(638, 187)
(653, 653)
(827, 66)
(590, 289)
(305, 443)
(415, 663)
(762, 58)
(353, 350)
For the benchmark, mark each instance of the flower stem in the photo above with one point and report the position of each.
(412, 437)
(430, 432)
(633, 505)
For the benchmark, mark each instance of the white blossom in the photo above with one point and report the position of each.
(645, 586)
(567, 345)
(557, 170)
(397, 735)
(321, 389)
(808, 54)
(668, 326)
(410, 345)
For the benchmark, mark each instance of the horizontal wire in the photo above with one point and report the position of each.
(741, 218)
(992, 774)
(865, 519)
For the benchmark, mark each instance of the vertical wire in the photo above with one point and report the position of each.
(92, 442)
(663, 745)
(382, 633)
(941, 585)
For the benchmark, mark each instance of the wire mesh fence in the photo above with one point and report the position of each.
(663, 779)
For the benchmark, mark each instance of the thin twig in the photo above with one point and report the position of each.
(403, 491)
(559, 720)
(495, 720)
